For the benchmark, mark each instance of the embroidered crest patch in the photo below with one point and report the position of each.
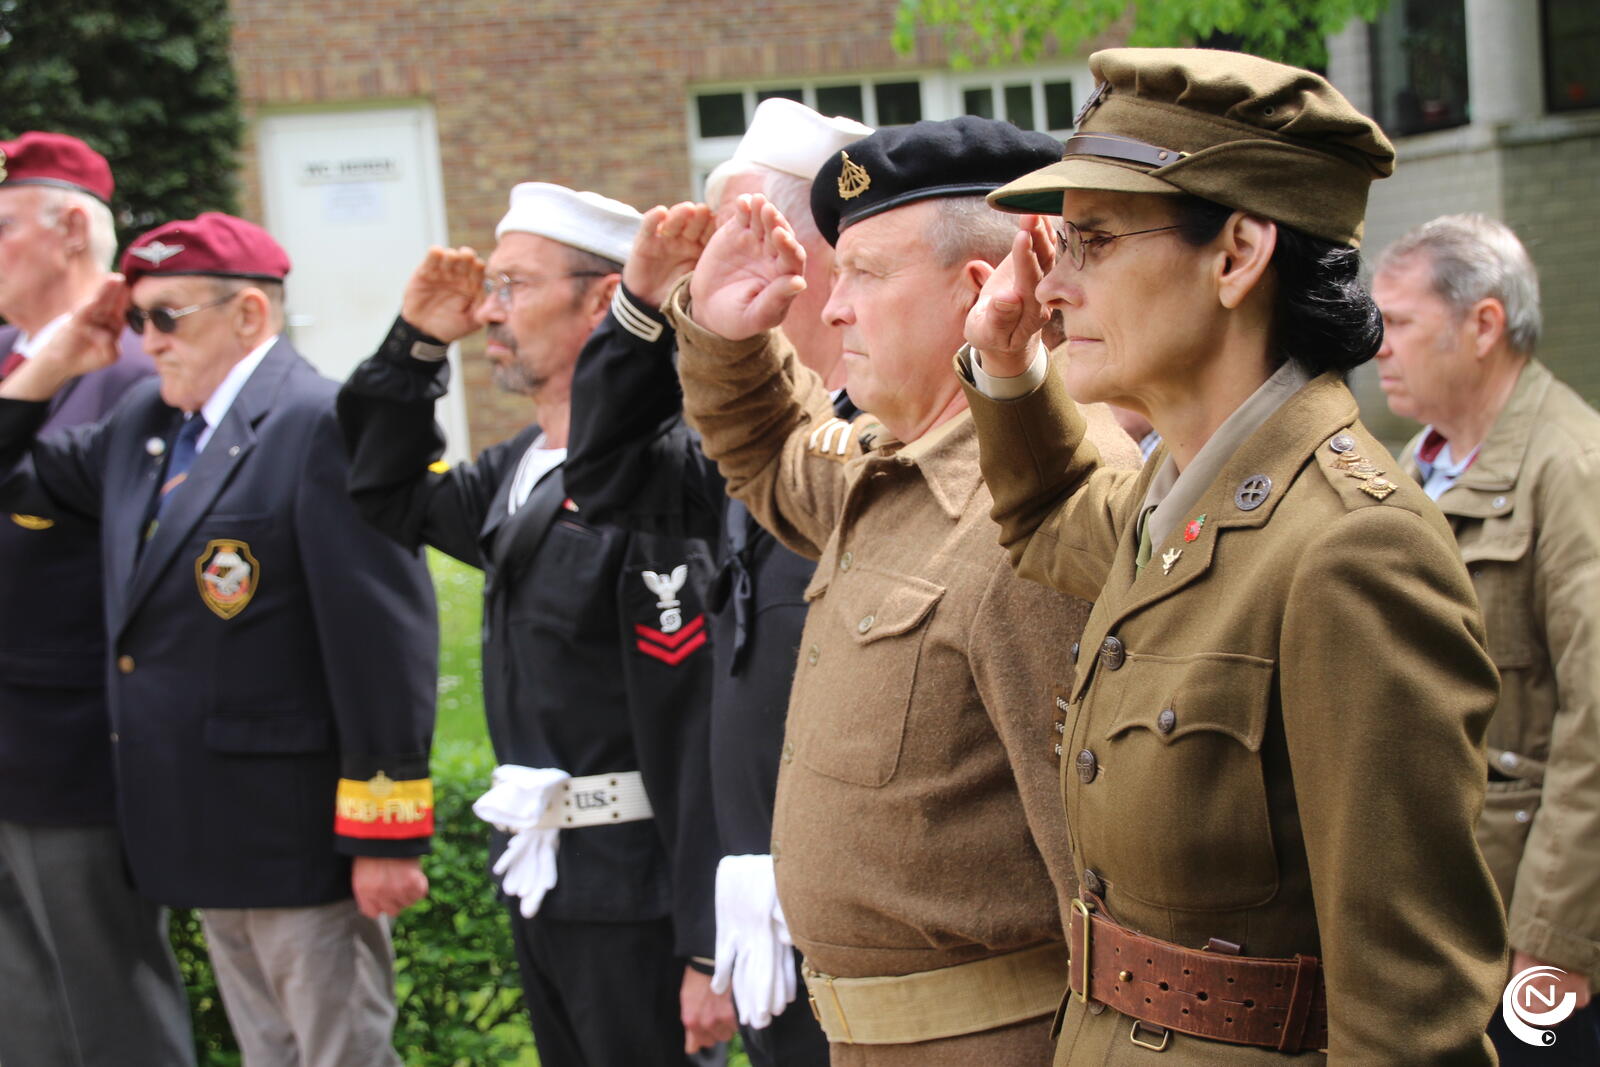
(227, 575)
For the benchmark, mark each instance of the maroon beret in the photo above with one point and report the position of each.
(214, 244)
(38, 158)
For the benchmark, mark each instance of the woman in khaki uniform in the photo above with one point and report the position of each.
(1274, 757)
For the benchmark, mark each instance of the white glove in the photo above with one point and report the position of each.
(515, 802)
(755, 954)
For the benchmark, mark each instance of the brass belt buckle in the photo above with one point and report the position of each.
(1084, 910)
(1133, 1035)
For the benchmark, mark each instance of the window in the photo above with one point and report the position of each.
(1419, 66)
(1571, 54)
(1037, 99)
(1036, 102)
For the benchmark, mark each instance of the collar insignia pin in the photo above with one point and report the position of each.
(1168, 558)
(853, 179)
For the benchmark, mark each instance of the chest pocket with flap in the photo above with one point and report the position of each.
(868, 627)
(1177, 815)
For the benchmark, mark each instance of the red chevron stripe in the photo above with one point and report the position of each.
(672, 640)
(672, 659)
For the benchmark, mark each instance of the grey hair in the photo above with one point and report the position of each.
(788, 193)
(792, 196)
(1474, 257)
(102, 229)
(966, 228)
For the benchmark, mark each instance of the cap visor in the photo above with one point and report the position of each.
(1039, 193)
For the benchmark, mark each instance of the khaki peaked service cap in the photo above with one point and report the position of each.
(1248, 133)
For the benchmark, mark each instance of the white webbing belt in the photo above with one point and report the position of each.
(596, 800)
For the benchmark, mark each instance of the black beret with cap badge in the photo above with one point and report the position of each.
(899, 165)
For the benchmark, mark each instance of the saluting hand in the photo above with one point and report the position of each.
(88, 342)
(443, 293)
(384, 885)
(751, 271)
(1007, 316)
(669, 243)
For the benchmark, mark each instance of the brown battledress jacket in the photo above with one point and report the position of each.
(917, 823)
(1281, 744)
(1527, 517)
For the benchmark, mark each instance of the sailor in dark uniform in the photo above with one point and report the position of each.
(272, 660)
(73, 932)
(594, 645)
(631, 459)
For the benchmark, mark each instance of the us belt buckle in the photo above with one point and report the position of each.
(1084, 910)
(1133, 1035)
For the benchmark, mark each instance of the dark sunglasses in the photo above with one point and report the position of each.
(166, 319)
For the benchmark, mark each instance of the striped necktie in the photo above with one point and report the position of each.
(183, 453)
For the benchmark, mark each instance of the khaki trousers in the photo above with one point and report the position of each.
(306, 987)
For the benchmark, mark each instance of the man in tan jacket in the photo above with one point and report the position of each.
(921, 855)
(1512, 456)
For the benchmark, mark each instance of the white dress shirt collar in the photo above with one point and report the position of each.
(216, 408)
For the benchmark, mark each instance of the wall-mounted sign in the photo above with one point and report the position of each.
(354, 169)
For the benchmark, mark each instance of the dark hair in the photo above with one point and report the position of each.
(1324, 319)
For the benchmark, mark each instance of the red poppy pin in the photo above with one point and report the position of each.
(1192, 531)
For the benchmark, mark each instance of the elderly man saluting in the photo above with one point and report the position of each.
(595, 667)
(920, 852)
(271, 669)
(73, 932)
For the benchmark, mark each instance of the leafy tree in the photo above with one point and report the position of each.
(148, 83)
(996, 31)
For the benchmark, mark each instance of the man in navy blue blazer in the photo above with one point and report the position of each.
(84, 960)
(272, 658)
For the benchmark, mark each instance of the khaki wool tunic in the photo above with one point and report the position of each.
(917, 822)
(1276, 740)
(1527, 517)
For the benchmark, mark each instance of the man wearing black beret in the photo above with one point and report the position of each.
(919, 848)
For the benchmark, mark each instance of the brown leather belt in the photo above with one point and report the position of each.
(1244, 1000)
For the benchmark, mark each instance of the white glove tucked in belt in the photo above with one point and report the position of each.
(753, 945)
(515, 802)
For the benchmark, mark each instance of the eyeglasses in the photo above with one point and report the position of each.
(1072, 243)
(166, 319)
(499, 286)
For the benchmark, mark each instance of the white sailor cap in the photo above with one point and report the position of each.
(588, 221)
(787, 136)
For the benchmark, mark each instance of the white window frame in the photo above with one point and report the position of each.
(941, 98)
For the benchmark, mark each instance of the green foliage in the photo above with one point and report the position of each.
(455, 972)
(148, 83)
(997, 31)
(213, 1037)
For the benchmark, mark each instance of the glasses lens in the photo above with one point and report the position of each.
(135, 318)
(1075, 245)
(163, 319)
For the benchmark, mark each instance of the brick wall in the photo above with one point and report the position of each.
(589, 95)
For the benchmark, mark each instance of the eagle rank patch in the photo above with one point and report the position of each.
(227, 575)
